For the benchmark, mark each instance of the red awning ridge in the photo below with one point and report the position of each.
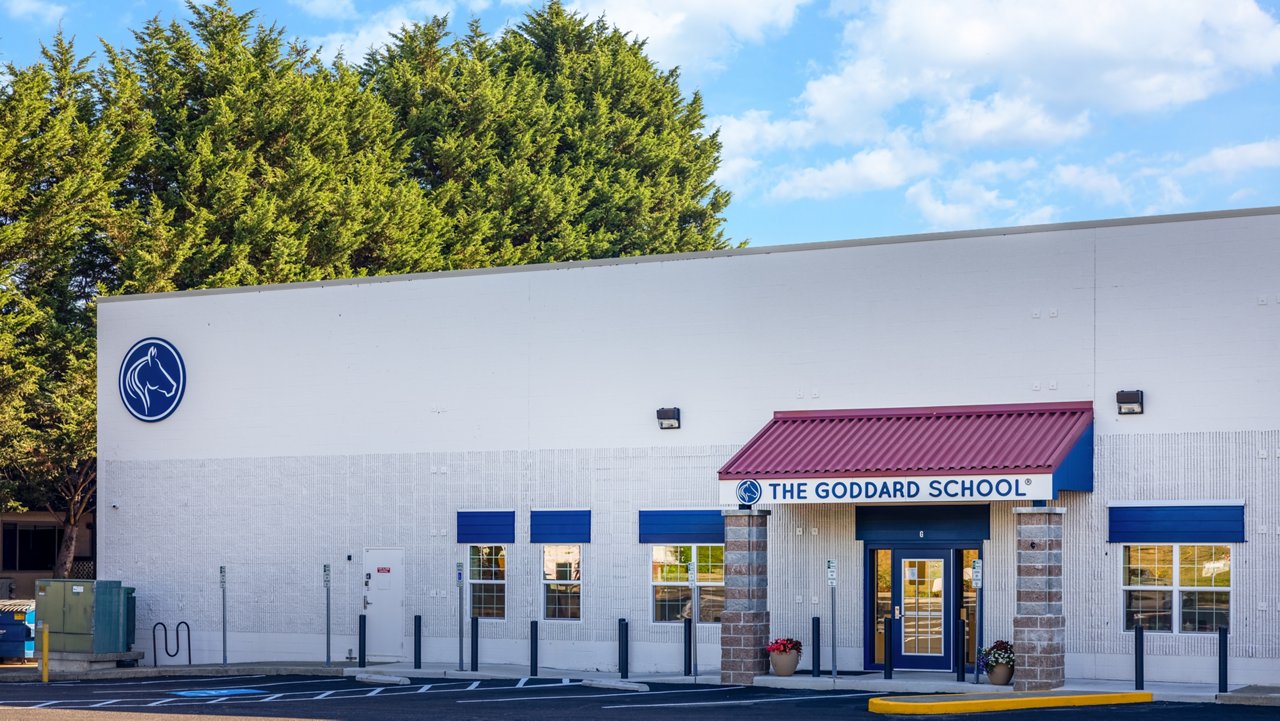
(959, 440)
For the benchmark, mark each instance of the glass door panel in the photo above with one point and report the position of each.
(883, 601)
(922, 588)
(922, 605)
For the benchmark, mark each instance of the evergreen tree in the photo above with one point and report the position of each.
(266, 167)
(60, 160)
(558, 141)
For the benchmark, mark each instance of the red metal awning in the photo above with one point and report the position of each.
(959, 440)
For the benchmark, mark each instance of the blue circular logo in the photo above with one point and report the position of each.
(152, 379)
(748, 492)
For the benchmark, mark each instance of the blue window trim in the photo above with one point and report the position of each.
(486, 527)
(1176, 524)
(560, 526)
(682, 527)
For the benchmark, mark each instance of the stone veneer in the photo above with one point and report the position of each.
(744, 623)
(1039, 626)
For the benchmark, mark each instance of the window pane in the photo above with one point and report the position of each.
(671, 603)
(710, 603)
(1204, 566)
(489, 600)
(561, 563)
(1148, 565)
(564, 600)
(1152, 609)
(670, 563)
(710, 564)
(488, 563)
(1204, 611)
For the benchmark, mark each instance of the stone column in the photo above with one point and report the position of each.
(1039, 628)
(744, 624)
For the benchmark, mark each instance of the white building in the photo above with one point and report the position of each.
(504, 419)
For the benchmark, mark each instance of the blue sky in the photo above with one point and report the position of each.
(858, 118)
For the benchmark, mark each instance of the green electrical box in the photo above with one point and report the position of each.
(83, 615)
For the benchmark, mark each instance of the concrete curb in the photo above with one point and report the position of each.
(617, 685)
(982, 702)
(382, 680)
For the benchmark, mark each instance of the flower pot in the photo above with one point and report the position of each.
(1000, 674)
(784, 664)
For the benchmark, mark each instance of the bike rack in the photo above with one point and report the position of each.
(177, 642)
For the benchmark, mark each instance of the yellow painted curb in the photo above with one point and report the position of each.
(945, 704)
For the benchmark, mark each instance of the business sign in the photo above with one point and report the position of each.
(152, 379)
(910, 489)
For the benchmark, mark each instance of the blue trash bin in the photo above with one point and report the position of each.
(17, 630)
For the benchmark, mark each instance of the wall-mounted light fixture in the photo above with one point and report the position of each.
(668, 418)
(1129, 403)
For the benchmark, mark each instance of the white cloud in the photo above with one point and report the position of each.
(966, 203)
(1098, 183)
(1236, 158)
(874, 169)
(377, 29)
(1132, 55)
(694, 35)
(336, 9)
(987, 170)
(39, 10)
(1000, 119)
(1036, 216)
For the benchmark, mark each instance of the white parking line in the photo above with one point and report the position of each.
(744, 702)
(598, 695)
(84, 684)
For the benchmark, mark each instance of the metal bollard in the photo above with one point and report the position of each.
(1139, 650)
(888, 647)
(688, 647)
(815, 646)
(475, 643)
(623, 651)
(1222, 659)
(417, 641)
(533, 649)
(360, 656)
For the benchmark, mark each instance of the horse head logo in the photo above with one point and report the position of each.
(152, 379)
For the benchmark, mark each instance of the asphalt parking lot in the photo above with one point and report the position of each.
(310, 697)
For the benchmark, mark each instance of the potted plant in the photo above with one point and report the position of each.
(997, 661)
(784, 655)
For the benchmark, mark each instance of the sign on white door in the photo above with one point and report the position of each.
(383, 603)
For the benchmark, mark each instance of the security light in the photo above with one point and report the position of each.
(1129, 403)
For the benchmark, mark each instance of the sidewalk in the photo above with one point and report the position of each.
(911, 682)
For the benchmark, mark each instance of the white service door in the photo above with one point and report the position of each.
(384, 603)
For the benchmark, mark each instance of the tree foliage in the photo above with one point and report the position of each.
(218, 153)
(557, 141)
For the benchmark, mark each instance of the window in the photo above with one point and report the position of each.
(488, 581)
(30, 548)
(1177, 588)
(672, 597)
(562, 582)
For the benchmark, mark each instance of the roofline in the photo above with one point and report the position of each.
(1056, 406)
(729, 253)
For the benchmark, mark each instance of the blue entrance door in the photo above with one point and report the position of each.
(923, 605)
